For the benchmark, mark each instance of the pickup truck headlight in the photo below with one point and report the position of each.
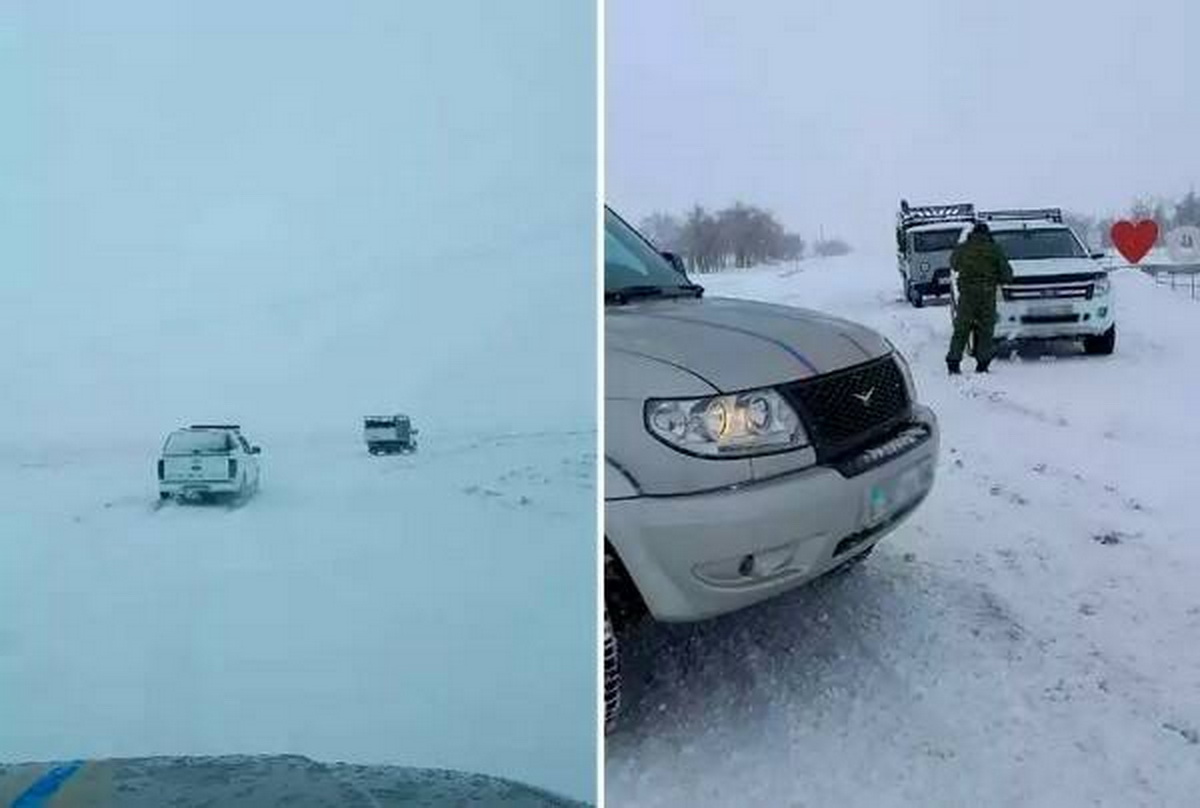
(1102, 286)
(734, 425)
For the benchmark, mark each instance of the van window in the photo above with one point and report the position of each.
(935, 240)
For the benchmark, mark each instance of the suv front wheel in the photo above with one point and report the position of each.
(612, 677)
(1101, 345)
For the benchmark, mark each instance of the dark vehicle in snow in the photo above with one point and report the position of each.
(389, 434)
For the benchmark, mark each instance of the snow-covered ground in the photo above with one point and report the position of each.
(364, 609)
(1030, 637)
(371, 610)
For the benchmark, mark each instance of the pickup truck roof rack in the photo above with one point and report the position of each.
(1022, 214)
(911, 216)
(234, 427)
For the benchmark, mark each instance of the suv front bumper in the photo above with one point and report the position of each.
(935, 284)
(694, 556)
(1016, 320)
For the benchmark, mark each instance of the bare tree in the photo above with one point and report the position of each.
(739, 236)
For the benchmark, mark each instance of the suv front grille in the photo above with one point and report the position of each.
(847, 409)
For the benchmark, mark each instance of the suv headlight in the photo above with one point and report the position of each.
(1102, 286)
(734, 425)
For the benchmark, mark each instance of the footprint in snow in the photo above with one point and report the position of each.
(1187, 733)
(1111, 537)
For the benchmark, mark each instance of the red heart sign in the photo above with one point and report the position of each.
(1134, 239)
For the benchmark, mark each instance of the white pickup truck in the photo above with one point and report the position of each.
(1059, 290)
(206, 460)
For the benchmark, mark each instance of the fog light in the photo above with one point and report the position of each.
(1102, 312)
(1087, 317)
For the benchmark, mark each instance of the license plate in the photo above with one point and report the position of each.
(895, 493)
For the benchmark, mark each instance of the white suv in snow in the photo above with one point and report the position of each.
(1059, 290)
(205, 460)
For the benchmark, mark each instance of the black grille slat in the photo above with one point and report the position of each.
(1076, 278)
(1048, 292)
(835, 413)
(1049, 319)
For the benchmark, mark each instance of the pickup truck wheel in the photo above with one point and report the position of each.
(1102, 345)
(612, 677)
(164, 494)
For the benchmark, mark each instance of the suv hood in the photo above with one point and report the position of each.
(739, 344)
(1055, 266)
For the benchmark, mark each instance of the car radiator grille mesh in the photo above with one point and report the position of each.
(848, 409)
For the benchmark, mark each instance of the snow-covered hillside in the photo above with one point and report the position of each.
(1029, 637)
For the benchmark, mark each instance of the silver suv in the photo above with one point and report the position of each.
(749, 448)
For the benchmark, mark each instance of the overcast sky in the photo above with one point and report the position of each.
(277, 171)
(829, 111)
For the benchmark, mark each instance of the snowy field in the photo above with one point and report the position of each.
(1029, 637)
(360, 609)
(364, 609)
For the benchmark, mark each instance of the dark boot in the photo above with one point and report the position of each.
(982, 367)
(954, 366)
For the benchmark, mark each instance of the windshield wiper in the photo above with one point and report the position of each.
(625, 294)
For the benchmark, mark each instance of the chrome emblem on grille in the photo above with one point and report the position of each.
(865, 398)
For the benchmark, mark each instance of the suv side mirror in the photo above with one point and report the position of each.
(676, 260)
(255, 450)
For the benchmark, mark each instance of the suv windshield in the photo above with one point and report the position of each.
(630, 262)
(197, 442)
(935, 240)
(1045, 242)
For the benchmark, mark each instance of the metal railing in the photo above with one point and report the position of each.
(1177, 276)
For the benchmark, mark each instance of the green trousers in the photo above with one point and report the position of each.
(975, 314)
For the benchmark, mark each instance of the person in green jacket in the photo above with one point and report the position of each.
(981, 267)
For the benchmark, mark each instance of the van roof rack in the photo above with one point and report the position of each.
(1022, 214)
(215, 426)
(910, 216)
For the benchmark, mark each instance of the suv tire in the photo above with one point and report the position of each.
(612, 676)
(1102, 345)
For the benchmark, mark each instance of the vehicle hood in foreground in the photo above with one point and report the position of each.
(256, 780)
(739, 344)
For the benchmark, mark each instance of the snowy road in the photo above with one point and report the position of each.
(1030, 637)
(372, 610)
